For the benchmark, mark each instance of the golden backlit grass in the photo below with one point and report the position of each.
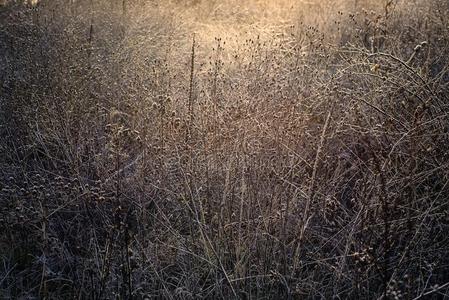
(224, 149)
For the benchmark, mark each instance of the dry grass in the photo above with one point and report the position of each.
(213, 149)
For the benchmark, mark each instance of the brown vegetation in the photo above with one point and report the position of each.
(213, 149)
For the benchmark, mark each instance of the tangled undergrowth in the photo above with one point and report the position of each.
(219, 150)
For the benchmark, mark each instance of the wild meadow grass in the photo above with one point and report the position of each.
(224, 149)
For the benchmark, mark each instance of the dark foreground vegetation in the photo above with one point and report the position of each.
(224, 149)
